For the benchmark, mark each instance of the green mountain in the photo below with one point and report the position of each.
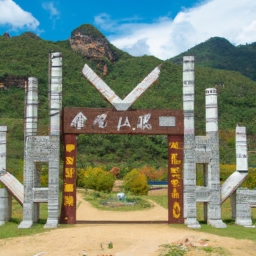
(221, 54)
(27, 55)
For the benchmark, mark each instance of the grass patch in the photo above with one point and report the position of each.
(160, 200)
(109, 201)
(172, 250)
(177, 250)
(10, 229)
(214, 250)
(232, 230)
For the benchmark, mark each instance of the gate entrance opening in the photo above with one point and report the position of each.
(108, 121)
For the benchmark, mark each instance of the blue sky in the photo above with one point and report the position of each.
(163, 28)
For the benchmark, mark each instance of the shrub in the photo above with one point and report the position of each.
(250, 180)
(80, 177)
(152, 174)
(136, 183)
(98, 179)
(115, 171)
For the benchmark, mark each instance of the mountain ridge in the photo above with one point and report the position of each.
(219, 53)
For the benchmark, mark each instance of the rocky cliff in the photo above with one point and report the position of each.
(91, 43)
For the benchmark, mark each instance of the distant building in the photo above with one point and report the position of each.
(13, 81)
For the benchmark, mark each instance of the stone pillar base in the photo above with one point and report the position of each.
(51, 224)
(192, 223)
(217, 223)
(244, 222)
(26, 224)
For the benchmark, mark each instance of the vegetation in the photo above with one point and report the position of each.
(172, 250)
(88, 30)
(153, 174)
(232, 229)
(97, 179)
(110, 202)
(10, 228)
(219, 53)
(177, 250)
(136, 183)
(225, 171)
(27, 55)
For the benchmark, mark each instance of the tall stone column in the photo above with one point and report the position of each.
(241, 211)
(55, 95)
(214, 205)
(31, 107)
(241, 150)
(189, 144)
(3, 131)
(55, 92)
(30, 211)
(5, 196)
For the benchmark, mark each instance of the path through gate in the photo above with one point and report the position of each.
(123, 121)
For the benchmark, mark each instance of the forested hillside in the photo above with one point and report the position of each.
(27, 55)
(221, 54)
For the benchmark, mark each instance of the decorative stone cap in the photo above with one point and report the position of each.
(3, 128)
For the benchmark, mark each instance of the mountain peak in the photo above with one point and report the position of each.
(89, 41)
(87, 30)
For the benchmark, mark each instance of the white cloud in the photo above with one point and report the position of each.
(234, 20)
(13, 16)
(104, 21)
(49, 6)
(136, 49)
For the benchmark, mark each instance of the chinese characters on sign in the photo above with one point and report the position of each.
(68, 211)
(87, 120)
(175, 186)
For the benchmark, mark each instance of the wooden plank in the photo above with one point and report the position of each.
(68, 209)
(175, 180)
(109, 121)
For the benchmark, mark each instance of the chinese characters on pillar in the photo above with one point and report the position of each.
(175, 187)
(68, 212)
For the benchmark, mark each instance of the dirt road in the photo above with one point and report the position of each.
(127, 239)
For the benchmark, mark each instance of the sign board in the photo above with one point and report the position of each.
(68, 209)
(109, 121)
(175, 179)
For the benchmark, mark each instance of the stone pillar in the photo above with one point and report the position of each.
(30, 129)
(240, 200)
(30, 210)
(241, 150)
(5, 197)
(205, 175)
(189, 144)
(31, 107)
(55, 113)
(214, 205)
(55, 92)
(3, 131)
(243, 208)
(5, 206)
(233, 205)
